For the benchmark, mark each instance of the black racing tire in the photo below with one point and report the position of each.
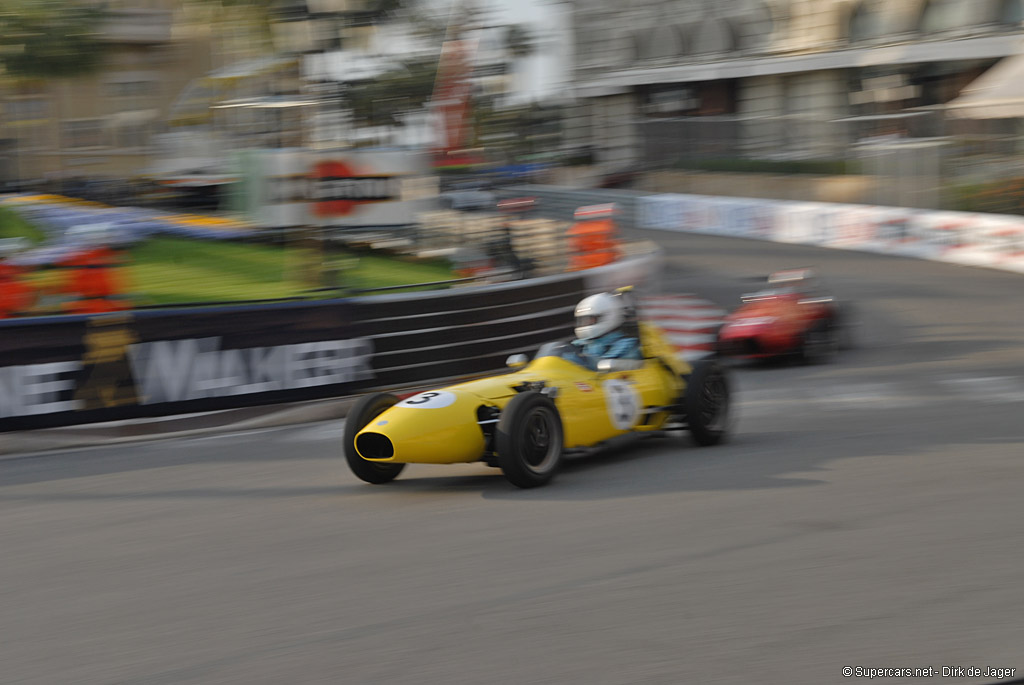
(719, 350)
(528, 440)
(846, 327)
(706, 404)
(365, 410)
(820, 343)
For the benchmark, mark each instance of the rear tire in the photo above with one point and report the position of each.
(820, 343)
(365, 410)
(528, 440)
(706, 403)
(846, 326)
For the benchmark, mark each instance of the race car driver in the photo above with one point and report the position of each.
(601, 322)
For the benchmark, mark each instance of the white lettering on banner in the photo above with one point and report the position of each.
(196, 368)
(356, 189)
(166, 368)
(37, 389)
(281, 190)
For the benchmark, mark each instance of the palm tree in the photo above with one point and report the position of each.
(50, 39)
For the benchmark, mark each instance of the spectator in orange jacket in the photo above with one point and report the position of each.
(16, 297)
(93, 278)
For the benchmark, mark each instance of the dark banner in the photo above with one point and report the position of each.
(69, 370)
(76, 369)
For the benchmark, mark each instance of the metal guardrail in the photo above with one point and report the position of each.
(76, 369)
(392, 288)
(224, 303)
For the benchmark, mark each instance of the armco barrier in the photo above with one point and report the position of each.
(975, 239)
(557, 202)
(67, 370)
(988, 240)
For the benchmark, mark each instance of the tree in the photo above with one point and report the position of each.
(50, 38)
(383, 100)
(244, 25)
(519, 41)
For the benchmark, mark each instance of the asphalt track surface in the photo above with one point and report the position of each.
(867, 513)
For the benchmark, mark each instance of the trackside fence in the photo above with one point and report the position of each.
(66, 370)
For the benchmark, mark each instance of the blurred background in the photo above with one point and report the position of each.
(111, 98)
(155, 153)
(305, 117)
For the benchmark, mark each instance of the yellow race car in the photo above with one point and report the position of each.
(526, 420)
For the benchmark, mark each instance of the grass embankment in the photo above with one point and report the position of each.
(13, 226)
(171, 270)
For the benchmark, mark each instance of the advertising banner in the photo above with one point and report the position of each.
(369, 188)
(989, 240)
(372, 188)
(70, 370)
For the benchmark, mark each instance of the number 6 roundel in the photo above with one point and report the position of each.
(623, 403)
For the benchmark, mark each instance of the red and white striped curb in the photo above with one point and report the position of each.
(689, 322)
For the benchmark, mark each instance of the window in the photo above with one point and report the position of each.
(132, 136)
(131, 88)
(944, 15)
(83, 133)
(1011, 12)
(32, 137)
(864, 24)
(27, 109)
(714, 36)
(756, 29)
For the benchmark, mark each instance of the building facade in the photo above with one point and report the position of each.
(101, 125)
(775, 78)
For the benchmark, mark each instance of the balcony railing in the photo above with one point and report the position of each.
(137, 26)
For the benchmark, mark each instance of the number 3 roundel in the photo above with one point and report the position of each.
(434, 399)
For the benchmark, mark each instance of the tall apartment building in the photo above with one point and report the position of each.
(100, 125)
(774, 77)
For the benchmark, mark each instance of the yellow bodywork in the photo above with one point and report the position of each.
(442, 426)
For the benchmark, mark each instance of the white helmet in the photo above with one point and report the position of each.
(597, 315)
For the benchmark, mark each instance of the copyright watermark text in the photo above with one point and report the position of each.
(930, 672)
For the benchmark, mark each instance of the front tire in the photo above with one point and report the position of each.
(707, 403)
(528, 440)
(365, 410)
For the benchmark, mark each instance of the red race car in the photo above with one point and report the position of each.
(792, 316)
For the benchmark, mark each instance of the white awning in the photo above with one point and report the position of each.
(347, 67)
(996, 94)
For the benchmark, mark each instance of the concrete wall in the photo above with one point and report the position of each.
(804, 188)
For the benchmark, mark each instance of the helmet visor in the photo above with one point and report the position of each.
(586, 320)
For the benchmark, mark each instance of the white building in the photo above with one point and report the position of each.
(774, 78)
